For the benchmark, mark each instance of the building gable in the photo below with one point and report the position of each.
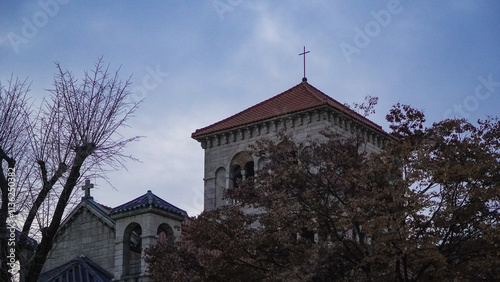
(88, 230)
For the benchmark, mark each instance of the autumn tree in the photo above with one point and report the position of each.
(73, 134)
(452, 170)
(425, 208)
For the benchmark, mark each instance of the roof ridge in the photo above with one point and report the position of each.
(314, 91)
(343, 106)
(92, 206)
(245, 110)
(248, 109)
(150, 196)
(147, 200)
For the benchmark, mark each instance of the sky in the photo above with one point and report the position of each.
(198, 62)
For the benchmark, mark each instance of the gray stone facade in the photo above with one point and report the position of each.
(226, 150)
(87, 232)
(115, 239)
(139, 224)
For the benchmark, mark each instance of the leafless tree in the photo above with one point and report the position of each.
(14, 110)
(74, 133)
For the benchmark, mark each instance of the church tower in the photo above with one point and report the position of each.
(302, 111)
(140, 224)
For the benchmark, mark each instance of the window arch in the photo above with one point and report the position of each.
(289, 151)
(220, 186)
(235, 176)
(262, 162)
(132, 249)
(241, 167)
(249, 169)
(165, 234)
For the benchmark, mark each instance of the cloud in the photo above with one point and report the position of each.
(4, 41)
(171, 162)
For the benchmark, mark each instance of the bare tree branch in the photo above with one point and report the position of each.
(73, 134)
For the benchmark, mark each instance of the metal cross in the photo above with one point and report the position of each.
(304, 53)
(87, 188)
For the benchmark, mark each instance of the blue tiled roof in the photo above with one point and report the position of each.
(148, 200)
(79, 269)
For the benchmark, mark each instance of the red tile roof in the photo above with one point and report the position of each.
(301, 97)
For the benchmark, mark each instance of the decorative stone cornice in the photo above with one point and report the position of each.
(295, 120)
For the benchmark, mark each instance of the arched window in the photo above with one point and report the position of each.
(220, 186)
(165, 234)
(262, 162)
(132, 249)
(241, 167)
(235, 176)
(288, 151)
(249, 170)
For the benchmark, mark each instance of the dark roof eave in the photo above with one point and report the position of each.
(152, 209)
(195, 136)
(146, 203)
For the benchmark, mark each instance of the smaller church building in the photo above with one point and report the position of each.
(99, 243)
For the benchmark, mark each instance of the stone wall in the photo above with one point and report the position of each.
(86, 235)
(221, 148)
(147, 222)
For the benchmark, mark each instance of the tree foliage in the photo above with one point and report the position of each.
(74, 133)
(425, 208)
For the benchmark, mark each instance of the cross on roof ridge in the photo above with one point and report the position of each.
(87, 186)
(304, 53)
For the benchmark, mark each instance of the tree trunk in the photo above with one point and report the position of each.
(35, 266)
(4, 235)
